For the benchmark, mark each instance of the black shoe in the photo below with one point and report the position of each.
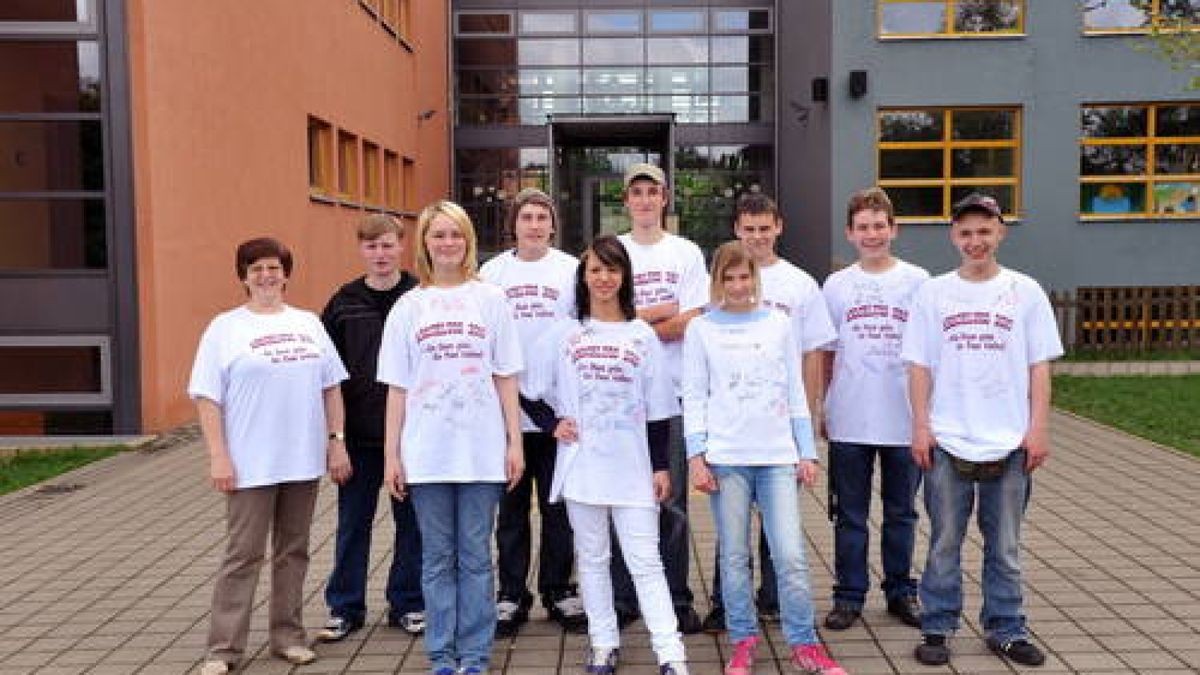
(337, 628)
(907, 609)
(567, 611)
(625, 617)
(509, 617)
(841, 617)
(412, 623)
(933, 650)
(714, 621)
(689, 620)
(1020, 651)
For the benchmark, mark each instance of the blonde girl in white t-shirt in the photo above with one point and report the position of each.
(749, 441)
(450, 357)
(613, 463)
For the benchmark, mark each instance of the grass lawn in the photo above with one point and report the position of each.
(34, 466)
(1090, 355)
(1160, 408)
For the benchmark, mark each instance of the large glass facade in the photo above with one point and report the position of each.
(710, 68)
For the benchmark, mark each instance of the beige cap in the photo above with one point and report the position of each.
(643, 170)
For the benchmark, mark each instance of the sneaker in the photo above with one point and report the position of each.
(1020, 651)
(602, 660)
(509, 617)
(412, 623)
(742, 661)
(625, 617)
(933, 650)
(568, 612)
(337, 628)
(297, 655)
(688, 620)
(675, 667)
(907, 609)
(841, 617)
(714, 621)
(815, 660)
(214, 667)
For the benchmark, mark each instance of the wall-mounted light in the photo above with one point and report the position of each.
(426, 115)
(858, 83)
(820, 89)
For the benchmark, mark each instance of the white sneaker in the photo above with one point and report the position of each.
(214, 667)
(298, 655)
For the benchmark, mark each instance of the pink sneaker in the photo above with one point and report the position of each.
(742, 661)
(815, 660)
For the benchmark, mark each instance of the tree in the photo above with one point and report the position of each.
(1173, 35)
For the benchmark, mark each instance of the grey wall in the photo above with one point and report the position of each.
(1049, 73)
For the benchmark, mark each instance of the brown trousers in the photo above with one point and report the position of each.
(286, 511)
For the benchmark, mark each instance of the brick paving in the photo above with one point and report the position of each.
(112, 573)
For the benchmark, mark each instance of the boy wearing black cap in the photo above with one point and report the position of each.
(978, 346)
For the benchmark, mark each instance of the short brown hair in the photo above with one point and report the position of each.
(731, 254)
(524, 197)
(870, 199)
(253, 250)
(375, 225)
(754, 204)
(454, 212)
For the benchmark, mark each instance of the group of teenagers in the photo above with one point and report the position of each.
(607, 387)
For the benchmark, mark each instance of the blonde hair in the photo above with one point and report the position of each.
(455, 213)
(376, 225)
(731, 254)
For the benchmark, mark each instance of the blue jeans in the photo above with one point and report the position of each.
(850, 468)
(773, 488)
(949, 499)
(456, 521)
(346, 591)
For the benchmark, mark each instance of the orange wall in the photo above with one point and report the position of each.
(221, 93)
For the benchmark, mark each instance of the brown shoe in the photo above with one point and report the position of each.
(841, 617)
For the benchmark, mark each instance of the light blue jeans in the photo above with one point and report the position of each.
(949, 500)
(456, 521)
(773, 488)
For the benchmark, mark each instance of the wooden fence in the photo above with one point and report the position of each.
(1123, 319)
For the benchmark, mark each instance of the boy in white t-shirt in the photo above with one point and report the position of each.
(866, 414)
(978, 345)
(670, 289)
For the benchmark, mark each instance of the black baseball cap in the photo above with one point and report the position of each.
(977, 202)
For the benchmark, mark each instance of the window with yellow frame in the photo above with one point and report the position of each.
(1139, 160)
(320, 157)
(950, 18)
(1139, 16)
(348, 165)
(929, 158)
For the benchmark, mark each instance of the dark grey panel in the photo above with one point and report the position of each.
(32, 304)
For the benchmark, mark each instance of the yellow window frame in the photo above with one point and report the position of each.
(1156, 23)
(948, 31)
(348, 165)
(1151, 177)
(947, 144)
(320, 157)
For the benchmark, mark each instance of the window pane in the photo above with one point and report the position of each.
(629, 103)
(485, 52)
(1114, 122)
(486, 81)
(677, 50)
(1002, 193)
(74, 11)
(557, 52)
(741, 49)
(1100, 198)
(601, 51)
(1112, 160)
(742, 19)
(732, 79)
(917, 201)
(1177, 120)
(50, 369)
(613, 22)
(676, 22)
(489, 110)
(45, 155)
(53, 77)
(534, 110)
(987, 16)
(483, 24)
(52, 234)
(1187, 11)
(534, 159)
(677, 80)
(910, 164)
(687, 109)
(1176, 159)
(741, 157)
(548, 22)
(983, 124)
(910, 125)
(549, 82)
(979, 162)
(612, 81)
(1176, 197)
(912, 18)
(1114, 14)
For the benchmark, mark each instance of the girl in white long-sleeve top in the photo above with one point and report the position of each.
(749, 441)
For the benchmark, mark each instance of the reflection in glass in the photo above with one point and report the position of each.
(916, 202)
(984, 124)
(613, 22)
(627, 103)
(1114, 15)
(52, 155)
(485, 52)
(53, 77)
(534, 159)
(741, 49)
(1177, 120)
(677, 80)
(912, 18)
(1112, 160)
(741, 157)
(1114, 198)
(1186, 11)
(480, 81)
(548, 22)
(489, 110)
(736, 78)
(732, 20)
(1176, 198)
(612, 81)
(1003, 195)
(989, 16)
(558, 82)
(687, 109)
(535, 110)
(548, 52)
(981, 162)
(485, 24)
(72, 11)
(1113, 122)
(677, 50)
(603, 51)
(910, 125)
(910, 163)
(739, 109)
(676, 21)
(1177, 159)
(52, 234)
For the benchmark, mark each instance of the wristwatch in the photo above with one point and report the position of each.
(337, 436)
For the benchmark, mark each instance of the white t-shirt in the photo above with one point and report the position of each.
(979, 340)
(608, 379)
(540, 292)
(443, 346)
(789, 289)
(867, 401)
(742, 386)
(268, 373)
(671, 270)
